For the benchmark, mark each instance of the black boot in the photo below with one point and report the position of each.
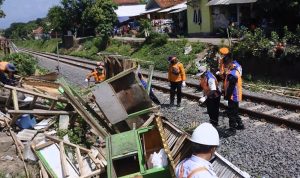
(240, 126)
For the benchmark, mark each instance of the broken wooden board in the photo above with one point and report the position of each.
(50, 158)
(26, 134)
(45, 123)
(63, 122)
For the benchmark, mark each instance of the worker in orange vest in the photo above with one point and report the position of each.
(233, 93)
(212, 94)
(10, 69)
(176, 77)
(204, 142)
(99, 74)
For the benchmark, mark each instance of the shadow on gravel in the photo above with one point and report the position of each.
(224, 132)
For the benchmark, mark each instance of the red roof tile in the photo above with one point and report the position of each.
(168, 3)
(39, 30)
(126, 2)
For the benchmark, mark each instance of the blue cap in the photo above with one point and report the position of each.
(170, 58)
(11, 67)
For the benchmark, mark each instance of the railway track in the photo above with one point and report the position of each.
(273, 111)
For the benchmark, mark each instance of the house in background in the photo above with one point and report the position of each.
(38, 33)
(213, 17)
(126, 2)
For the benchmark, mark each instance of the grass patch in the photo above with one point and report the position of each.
(39, 45)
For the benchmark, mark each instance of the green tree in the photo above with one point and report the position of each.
(101, 16)
(1, 11)
(57, 18)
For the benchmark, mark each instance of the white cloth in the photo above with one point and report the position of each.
(86, 80)
(183, 84)
(212, 84)
(193, 163)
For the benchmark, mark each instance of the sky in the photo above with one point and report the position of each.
(24, 10)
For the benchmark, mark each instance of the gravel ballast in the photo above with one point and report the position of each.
(262, 149)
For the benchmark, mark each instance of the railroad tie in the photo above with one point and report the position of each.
(292, 115)
(255, 107)
(273, 111)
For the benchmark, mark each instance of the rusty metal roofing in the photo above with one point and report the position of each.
(126, 2)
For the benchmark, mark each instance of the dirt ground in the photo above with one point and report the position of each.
(11, 166)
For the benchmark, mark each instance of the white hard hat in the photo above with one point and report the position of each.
(206, 134)
(201, 70)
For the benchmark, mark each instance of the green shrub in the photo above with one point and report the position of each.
(26, 64)
(156, 39)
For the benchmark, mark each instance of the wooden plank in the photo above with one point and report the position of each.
(40, 112)
(67, 143)
(15, 99)
(63, 160)
(94, 173)
(35, 93)
(94, 160)
(63, 121)
(43, 171)
(79, 160)
(43, 145)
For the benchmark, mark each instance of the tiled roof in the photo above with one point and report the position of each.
(126, 2)
(39, 30)
(167, 3)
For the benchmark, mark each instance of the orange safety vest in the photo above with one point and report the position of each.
(176, 72)
(237, 92)
(3, 66)
(221, 66)
(193, 172)
(99, 77)
(204, 82)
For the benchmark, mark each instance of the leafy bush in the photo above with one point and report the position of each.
(26, 64)
(39, 45)
(156, 39)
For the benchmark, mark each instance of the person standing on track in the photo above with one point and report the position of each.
(233, 93)
(212, 94)
(205, 140)
(177, 77)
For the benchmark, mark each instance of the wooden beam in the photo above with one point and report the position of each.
(43, 171)
(94, 173)
(22, 90)
(79, 160)
(15, 99)
(40, 112)
(63, 160)
(67, 143)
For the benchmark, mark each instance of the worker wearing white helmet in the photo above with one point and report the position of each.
(205, 140)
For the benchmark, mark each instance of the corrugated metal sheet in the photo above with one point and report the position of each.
(227, 2)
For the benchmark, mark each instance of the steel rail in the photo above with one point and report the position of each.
(256, 114)
(246, 96)
(270, 118)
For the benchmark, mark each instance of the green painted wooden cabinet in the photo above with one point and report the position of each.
(129, 151)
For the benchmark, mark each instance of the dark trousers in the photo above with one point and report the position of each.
(234, 118)
(175, 86)
(154, 98)
(4, 79)
(213, 105)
